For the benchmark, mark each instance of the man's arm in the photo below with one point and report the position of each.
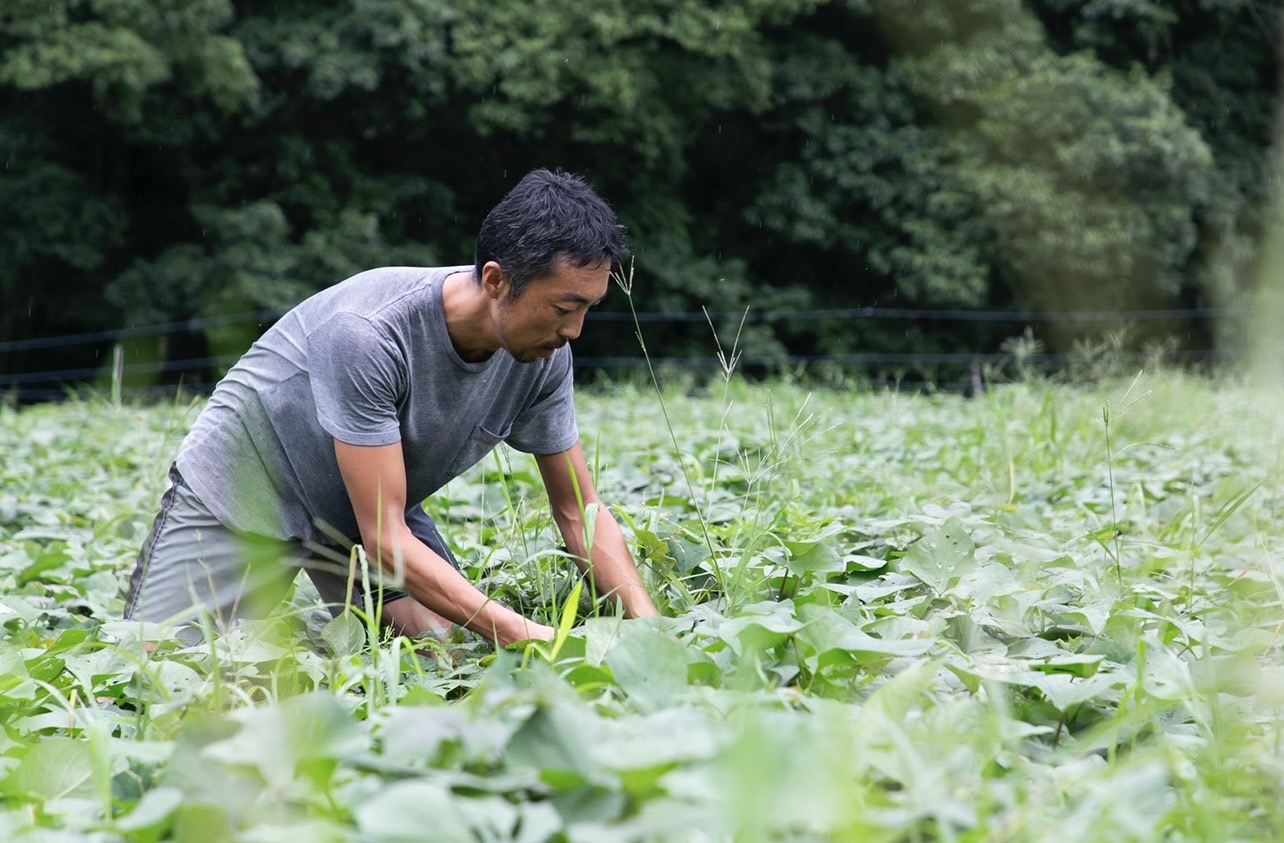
(375, 478)
(611, 566)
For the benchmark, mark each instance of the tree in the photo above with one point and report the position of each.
(1220, 61)
(168, 159)
(1092, 178)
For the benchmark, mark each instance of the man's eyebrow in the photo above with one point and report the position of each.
(579, 299)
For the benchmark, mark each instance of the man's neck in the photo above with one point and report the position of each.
(467, 316)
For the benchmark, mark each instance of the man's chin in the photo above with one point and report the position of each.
(531, 355)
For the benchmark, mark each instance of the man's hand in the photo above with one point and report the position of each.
(533, 632)
(608, 561)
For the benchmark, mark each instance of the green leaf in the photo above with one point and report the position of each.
(569, 610)
(590, 524)
(600, 635)
(68, 639)
(940, 557)
(556, 741)
(418, 734)
(311, 830)
(16, 686)
(650, 666)
(887, 708)
(1075, 665)
(832, 637)
(179, 681)
(686, 554)
(761, 625)
(813, 557)
(345, 634)
(413, 811)
(52, 769)
(1063, 690)
(857, 562)
(151, 817)
(1168, 678)
(276, 740)
(45, 668)
(537, 822)
(653, 549)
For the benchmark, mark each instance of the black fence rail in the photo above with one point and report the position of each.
(115, 370)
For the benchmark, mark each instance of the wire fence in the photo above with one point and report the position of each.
(925, 315)
(53, 383)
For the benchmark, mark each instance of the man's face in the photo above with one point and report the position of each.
(550, 310)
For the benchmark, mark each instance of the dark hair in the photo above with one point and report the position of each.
(548, 216)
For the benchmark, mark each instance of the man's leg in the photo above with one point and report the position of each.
(193, 570)
(401, 613)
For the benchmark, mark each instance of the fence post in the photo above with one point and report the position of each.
(117, 373)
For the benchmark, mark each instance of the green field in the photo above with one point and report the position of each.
(1048, 613)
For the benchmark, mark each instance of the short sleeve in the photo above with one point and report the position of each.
(547, 424)
(358, 376)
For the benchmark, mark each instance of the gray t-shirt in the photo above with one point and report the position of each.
(368, 362)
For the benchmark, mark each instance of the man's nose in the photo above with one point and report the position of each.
(571, 329)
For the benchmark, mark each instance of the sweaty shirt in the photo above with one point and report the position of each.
(367, 362)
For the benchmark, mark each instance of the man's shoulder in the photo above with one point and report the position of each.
(404, 274)
(384, 297)
(377, 289)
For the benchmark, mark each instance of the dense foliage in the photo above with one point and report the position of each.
(1048, 613)
(176, 158)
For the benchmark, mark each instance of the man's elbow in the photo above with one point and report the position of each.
(385, 544)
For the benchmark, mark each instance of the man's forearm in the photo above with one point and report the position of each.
(436, 584)
(375, 478)
(610, 564)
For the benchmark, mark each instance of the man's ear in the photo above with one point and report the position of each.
(494, 280)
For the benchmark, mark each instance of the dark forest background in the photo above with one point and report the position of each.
(166, 160)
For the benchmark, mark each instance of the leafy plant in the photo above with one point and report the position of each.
(906, 625)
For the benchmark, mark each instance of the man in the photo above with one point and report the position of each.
(368, 397)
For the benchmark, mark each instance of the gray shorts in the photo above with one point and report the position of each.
(193, 569)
